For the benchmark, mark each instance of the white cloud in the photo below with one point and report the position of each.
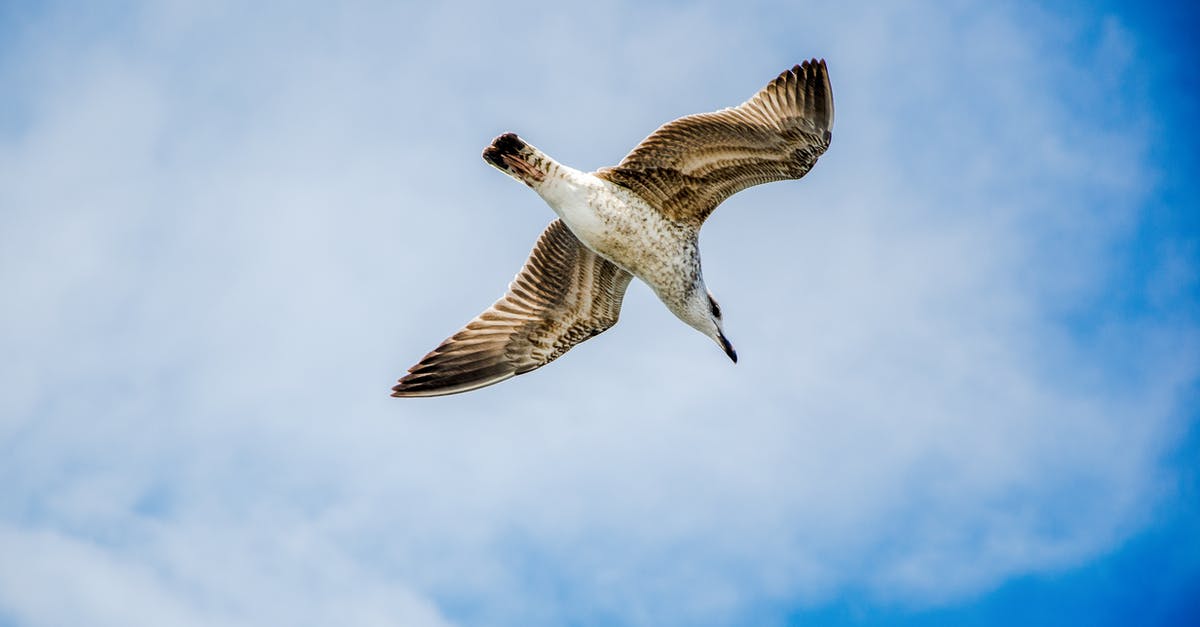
(194, 578)
(226, 233)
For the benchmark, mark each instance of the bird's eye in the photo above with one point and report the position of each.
(714, 307)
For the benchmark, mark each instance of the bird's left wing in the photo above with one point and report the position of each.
(564, 295)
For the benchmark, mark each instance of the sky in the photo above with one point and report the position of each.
(969, 339)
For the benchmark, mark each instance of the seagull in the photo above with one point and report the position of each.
(640, 218)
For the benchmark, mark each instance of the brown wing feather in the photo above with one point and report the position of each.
(689, 166)
(563, 295)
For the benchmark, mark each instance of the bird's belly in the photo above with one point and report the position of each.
(621, 227)
(645, 244)
(647, 253)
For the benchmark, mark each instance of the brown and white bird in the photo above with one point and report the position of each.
(639, 218)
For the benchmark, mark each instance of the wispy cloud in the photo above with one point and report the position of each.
(226, 230)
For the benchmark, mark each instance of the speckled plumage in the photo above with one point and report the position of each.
(639, 218)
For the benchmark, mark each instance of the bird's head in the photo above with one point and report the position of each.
(704, 314)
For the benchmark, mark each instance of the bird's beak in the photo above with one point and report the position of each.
(728, 347)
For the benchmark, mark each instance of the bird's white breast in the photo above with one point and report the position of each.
(619, 225)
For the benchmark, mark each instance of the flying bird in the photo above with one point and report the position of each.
(642, 218)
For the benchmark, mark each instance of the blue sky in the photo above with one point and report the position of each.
(967, 391)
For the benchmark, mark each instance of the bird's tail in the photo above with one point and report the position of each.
(511, 155)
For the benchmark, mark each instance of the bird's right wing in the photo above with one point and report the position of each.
(564, 295)
(689, 166)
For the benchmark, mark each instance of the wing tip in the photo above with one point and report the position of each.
(803, 66)
(407, 387)
(812, 79)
